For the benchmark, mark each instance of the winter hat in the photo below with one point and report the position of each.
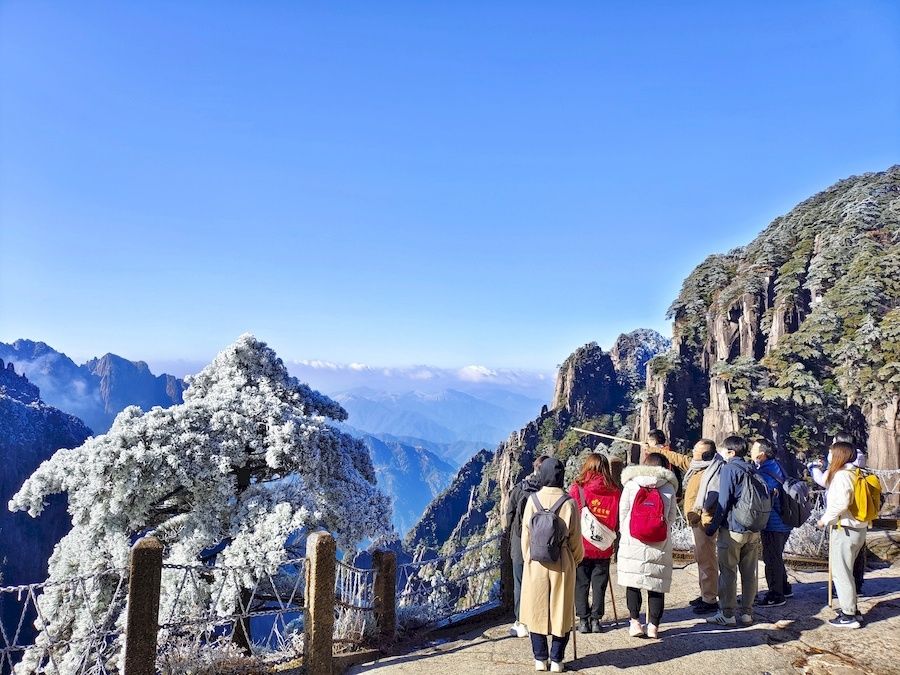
(552, 473)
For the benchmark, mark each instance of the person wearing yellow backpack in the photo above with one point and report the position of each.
(848, 512)
(818, 472)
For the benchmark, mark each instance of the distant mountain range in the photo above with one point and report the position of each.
(594, 389)
(458, 423)
(95, 391)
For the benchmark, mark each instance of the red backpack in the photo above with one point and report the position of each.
(648, 516)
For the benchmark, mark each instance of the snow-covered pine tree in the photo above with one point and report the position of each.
(245, 462)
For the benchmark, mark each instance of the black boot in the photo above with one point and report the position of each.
(596, 627)
(584, 626)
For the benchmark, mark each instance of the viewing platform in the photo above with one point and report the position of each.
(794, 638)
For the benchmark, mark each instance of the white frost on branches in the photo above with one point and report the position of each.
(244, 463)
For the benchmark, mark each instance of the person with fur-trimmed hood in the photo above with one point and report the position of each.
(647, 510)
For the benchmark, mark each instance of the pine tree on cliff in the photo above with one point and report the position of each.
(247, 461)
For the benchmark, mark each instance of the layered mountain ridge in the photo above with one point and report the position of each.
(95, 391)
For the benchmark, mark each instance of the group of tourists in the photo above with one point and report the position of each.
(737, 498)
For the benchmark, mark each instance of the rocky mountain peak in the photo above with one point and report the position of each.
(632, 351)
(94, 391)
(587, 384)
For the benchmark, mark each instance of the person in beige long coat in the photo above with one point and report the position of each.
(548, 589)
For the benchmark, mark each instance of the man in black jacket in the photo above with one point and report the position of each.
(512, 519)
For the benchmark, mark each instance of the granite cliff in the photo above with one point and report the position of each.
(795, 335)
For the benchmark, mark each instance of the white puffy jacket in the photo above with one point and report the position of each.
(643, 565)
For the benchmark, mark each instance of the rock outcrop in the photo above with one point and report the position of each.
(587, 384)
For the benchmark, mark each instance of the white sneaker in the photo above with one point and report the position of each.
(652, 631)
(518, 629)
(556, 667)
(635, 629)
(746, 620)
(722, 620)
(540, 665)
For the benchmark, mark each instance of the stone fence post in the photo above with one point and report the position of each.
(143, 607)
(318, 624)
(385, 594)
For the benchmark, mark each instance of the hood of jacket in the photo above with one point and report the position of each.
(598, 485)
(551, 473)
(649, 476)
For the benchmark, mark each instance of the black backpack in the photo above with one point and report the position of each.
(794, 512)
(548, 531)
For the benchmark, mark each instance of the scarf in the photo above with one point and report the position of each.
(709, 482)
(696, 466)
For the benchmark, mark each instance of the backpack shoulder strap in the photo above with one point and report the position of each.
(559, 504)
(537, 502)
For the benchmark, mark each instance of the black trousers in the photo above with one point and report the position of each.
(773, 557)
(859, 569)
(557, 647)
(655, 603)
(592, 574)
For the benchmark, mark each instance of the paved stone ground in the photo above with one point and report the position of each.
(794, 638)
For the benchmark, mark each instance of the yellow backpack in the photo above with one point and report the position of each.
(866, 501)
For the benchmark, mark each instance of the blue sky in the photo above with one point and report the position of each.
(410, 183)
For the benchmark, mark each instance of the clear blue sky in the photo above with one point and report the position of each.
(396, 183)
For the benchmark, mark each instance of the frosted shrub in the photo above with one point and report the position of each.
(682, 536)
(807, 540)
(412, 618)
(246, 461)
(219, 657)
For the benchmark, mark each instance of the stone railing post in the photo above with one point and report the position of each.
(143, 607)
(319, 622)
(385, 594)
(506, 574)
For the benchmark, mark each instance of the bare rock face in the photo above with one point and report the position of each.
(884, 433)
(587, 383)
(719, 420)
